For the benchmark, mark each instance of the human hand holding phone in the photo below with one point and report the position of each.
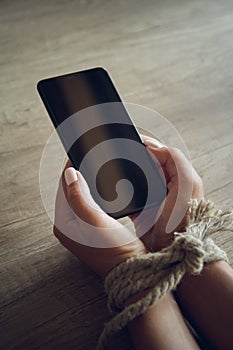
(77, 212)
(102, 260)
(182, 179)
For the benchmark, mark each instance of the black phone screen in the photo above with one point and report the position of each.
(107, 147)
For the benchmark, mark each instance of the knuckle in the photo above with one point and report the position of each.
(73, 195)
(174, 151)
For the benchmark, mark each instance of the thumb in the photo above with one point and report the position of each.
(80, 199)
(107, 231)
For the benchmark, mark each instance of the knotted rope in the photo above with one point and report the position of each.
(162, 271)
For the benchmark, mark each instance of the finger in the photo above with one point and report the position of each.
(80, 219)
(149, 141)
(171, 160)
(180, 188)
(152, 144)
(81, 201)
(160, 156)
(180, 180)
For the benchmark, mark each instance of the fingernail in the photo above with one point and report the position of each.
(154, 143)
(70, 176)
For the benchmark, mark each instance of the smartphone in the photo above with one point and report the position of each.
(102, 141)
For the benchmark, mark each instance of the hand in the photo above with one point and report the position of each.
(84, 229)
(183, 183)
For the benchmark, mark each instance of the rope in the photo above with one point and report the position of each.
(162, 271)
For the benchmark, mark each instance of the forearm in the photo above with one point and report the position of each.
(207, 301)
(162, 326)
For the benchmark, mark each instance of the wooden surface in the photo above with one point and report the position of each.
(172, 56)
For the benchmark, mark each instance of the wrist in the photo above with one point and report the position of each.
(134, 298)
(163, 241)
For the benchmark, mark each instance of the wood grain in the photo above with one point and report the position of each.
(174, 56)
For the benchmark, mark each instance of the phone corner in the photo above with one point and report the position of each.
(38, 85)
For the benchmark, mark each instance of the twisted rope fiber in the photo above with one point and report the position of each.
(162, 271)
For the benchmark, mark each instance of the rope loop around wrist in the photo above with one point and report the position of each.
(162, 271)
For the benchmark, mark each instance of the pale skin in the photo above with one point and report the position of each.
(206, 300)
